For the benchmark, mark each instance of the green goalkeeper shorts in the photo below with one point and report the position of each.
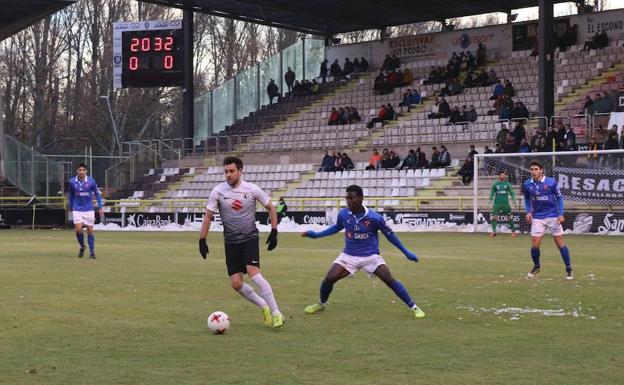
(501, 210)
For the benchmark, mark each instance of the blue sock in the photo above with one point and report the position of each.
(565, 255)
(326, 289)
(80, 238)
(91, 240)
(535, 254)
(402, 293)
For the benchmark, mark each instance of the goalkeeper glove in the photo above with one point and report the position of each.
(203, 247)
(272, 240)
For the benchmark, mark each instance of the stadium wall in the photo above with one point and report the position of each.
(498, 40)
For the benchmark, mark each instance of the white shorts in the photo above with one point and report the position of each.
(85, 217)
(353, 264)
(539, 227)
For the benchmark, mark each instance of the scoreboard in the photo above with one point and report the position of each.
(148, 54)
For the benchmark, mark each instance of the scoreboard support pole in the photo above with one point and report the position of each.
(188, 113)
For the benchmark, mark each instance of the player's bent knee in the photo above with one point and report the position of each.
(236, 284)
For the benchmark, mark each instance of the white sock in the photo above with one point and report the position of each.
(266, 292)
(249, 293)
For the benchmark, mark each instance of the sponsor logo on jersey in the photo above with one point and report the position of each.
(237, 205)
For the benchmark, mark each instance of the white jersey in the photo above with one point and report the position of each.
(237, 207)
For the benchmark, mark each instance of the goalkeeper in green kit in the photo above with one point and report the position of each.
(499, 195)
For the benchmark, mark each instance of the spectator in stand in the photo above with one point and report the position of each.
(396, 61)
(482, 79)
(445, 157)
(570, 138)
(508, 88)
(539, 134)
(550, 138)
(466, 171)
(587, 106)
(337, 161)
(388, 63)
(560, 134)
(605, 104)
(593, 159)
(390, 114)
(524, 146)
(501, 137)
(435, 109)
(327, 164)
(492, 77)
(296, 89)
(568, 38)
(472, 151)
(611, 144)
(392, 80)
(344, 116)
(347, 67)
(498, 149)
(346, 163)
(444, 109)
(334, 117)
(470, 115)
(315, 88)
(435, 158)
(487, 150)
(289, 78)
(455, 116)
(272, 91)
(379, 80)
(399, 79)
(599, 40)
(357, 68)
(390, 161)
(519, 133)
(481, 55)
(469, 81)
(335, 71)
(498, 92)
(421, 159)
(505, 111)
(374, 160)
(381, 116)
(324, 71)
(410, 160)
(520, 111)
(510, 145)
(364, 64)
(452, 88)
(355, 116)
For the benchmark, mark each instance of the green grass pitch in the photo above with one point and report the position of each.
(137, 314)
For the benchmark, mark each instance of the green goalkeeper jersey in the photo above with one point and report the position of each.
(500, 193)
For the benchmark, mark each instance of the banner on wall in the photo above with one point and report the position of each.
(596, 186)
(589, 24)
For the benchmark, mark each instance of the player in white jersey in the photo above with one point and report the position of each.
(235, 200)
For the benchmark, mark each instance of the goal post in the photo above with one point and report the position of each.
(591, 182)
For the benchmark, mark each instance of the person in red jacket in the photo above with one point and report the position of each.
(333, 117)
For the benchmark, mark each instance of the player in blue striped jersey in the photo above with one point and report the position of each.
(82, 188)
(544, 211)
(361, 250)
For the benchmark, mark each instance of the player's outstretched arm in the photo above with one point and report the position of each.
(390, 236)
(203, 233)
(331, 230)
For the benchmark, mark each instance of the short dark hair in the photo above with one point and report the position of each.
(356, 189)
(82, 165)
(233, 159)
(502, 172)
(537, 163)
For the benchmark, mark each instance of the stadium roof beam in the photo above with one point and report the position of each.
(315, 18)
(16, 15)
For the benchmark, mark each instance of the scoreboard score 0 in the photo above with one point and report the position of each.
(148, 54)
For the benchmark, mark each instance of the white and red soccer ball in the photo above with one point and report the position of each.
(218, 322)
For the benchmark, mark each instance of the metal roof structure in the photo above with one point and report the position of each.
(328, 17)
(16, 15)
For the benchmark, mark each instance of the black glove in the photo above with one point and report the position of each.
(203, 248)
(272, 240)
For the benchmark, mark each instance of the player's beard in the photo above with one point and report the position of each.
(234, 182)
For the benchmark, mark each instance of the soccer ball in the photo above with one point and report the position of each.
(218, 322)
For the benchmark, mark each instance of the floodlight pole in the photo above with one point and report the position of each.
(112, 119)
(546, 60)
(188, 114)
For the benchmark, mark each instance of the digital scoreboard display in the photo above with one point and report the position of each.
(148, 54)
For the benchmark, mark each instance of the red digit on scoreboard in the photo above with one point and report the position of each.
(145, 44)
(134, 44)
(168, 43)
(133, 63)
(158, 44)
(168, 62)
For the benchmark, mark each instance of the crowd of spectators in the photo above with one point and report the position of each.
(385, 113)
(415, 159)
(464, 61)
(601, 104)
(336, 162)
(387, 81)
(597, 41)
(344, 115)
(349, 67)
